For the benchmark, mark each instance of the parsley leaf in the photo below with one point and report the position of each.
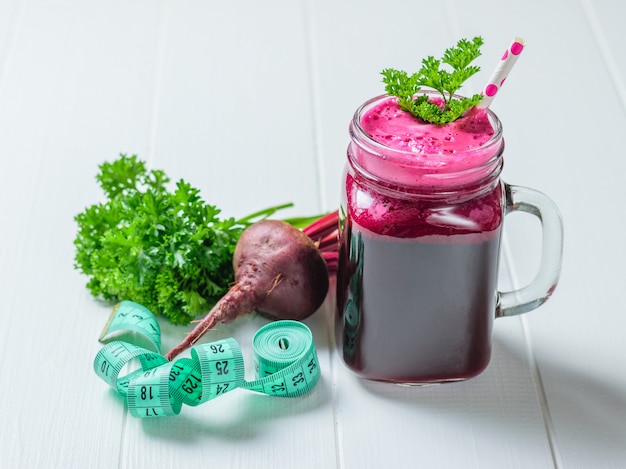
(447, 82)
(169, 251)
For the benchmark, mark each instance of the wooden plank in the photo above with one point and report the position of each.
(73, 92)
(584, 392)
(233, 111)
(10, 18)
(609, 39)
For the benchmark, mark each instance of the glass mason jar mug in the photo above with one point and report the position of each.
(419, 257)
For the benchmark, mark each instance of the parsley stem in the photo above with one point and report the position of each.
(263, 214)
(298, 222)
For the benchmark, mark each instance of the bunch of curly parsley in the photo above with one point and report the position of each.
(168, 251)
(431, 74)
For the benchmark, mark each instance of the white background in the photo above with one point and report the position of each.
(250, 102)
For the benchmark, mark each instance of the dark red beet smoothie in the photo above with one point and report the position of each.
(417, 281)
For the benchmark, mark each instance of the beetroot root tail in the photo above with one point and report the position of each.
(203, 326)
(239, 300)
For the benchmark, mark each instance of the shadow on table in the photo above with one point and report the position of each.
(238, 415)
(585, 414)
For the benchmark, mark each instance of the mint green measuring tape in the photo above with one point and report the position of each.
(285, 362)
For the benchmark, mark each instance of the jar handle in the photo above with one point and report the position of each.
(539, 290)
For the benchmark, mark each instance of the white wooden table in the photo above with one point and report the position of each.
(250, 102)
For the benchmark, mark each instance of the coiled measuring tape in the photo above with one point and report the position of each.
(285, 362)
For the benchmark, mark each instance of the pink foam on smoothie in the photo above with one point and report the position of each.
(408, 151)
(391, 126)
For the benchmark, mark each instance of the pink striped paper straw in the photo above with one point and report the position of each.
(501, 72)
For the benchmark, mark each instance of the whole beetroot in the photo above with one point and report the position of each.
(279, 272)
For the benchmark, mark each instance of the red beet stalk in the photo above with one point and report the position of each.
(325, 234)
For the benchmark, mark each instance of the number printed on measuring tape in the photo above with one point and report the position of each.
(285, 359)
